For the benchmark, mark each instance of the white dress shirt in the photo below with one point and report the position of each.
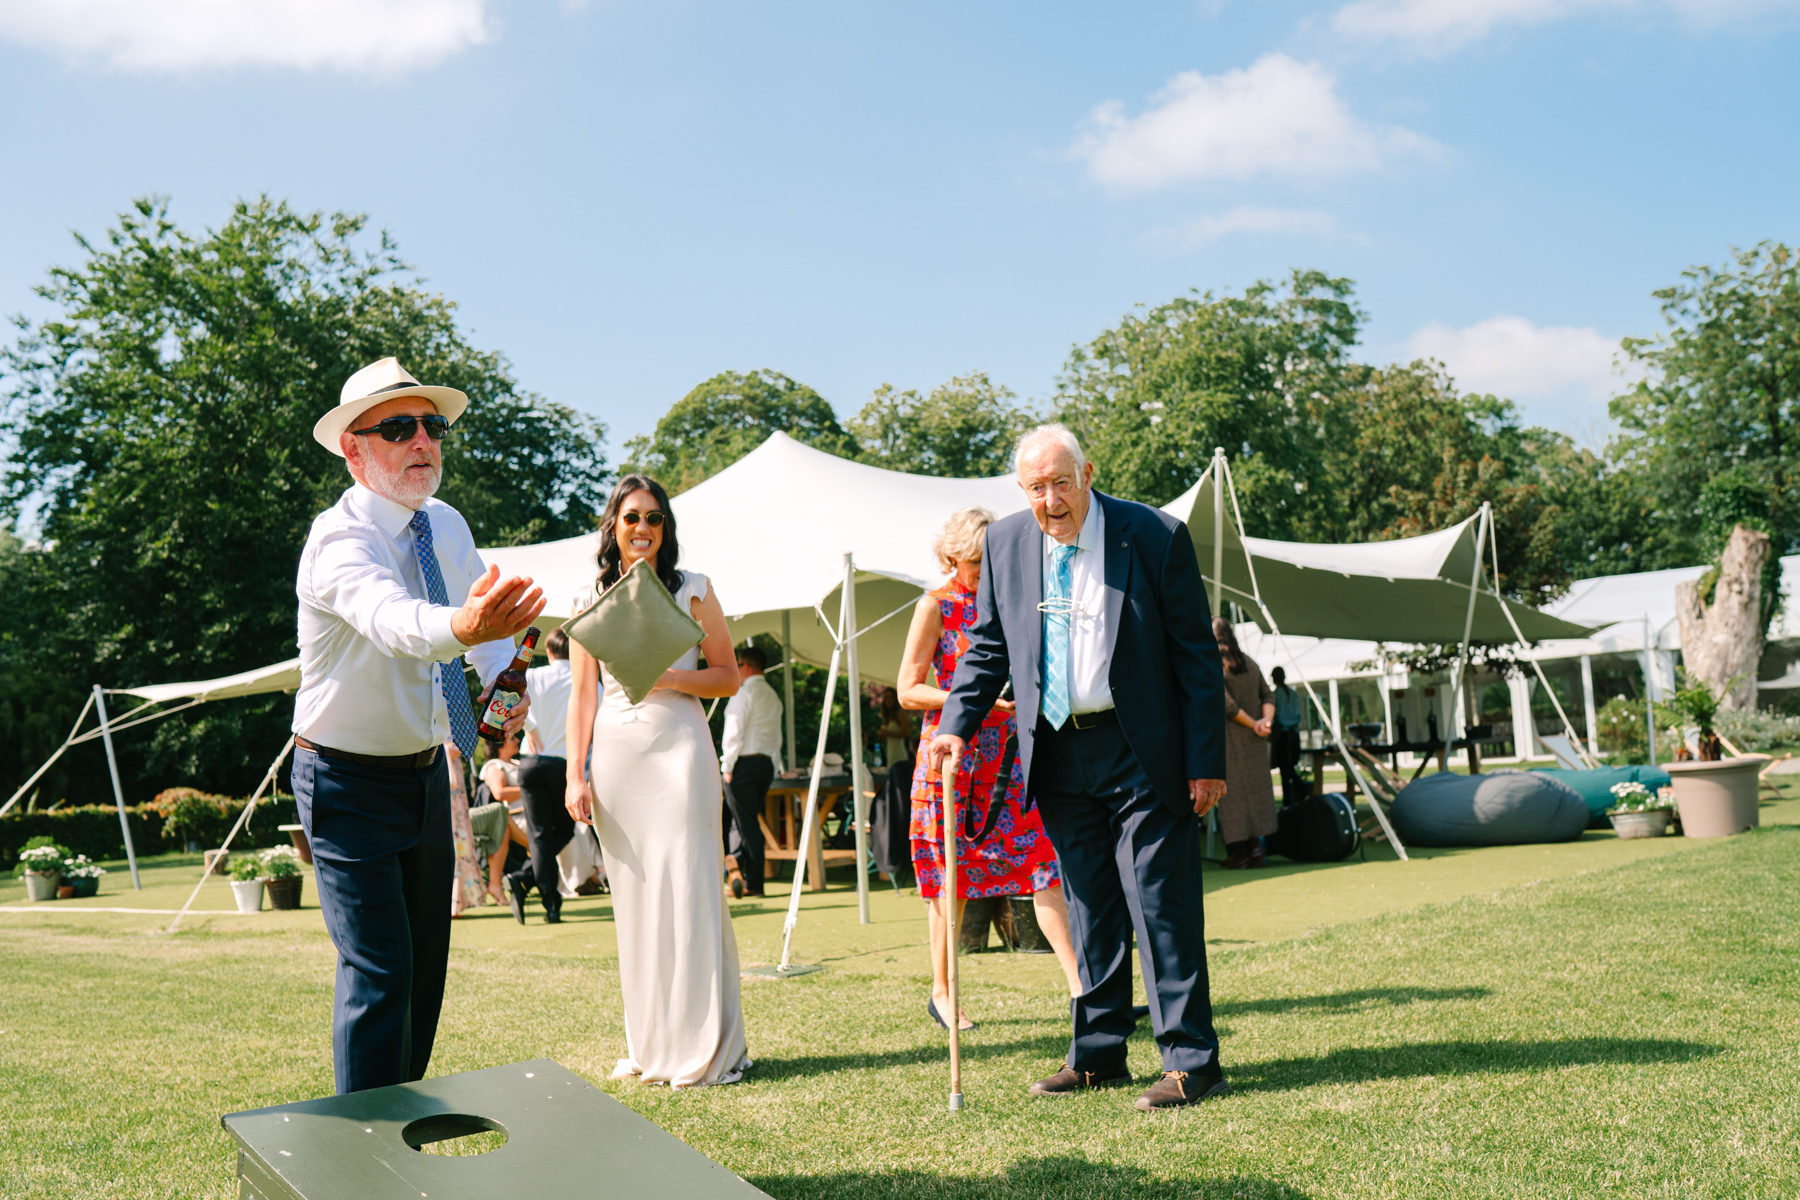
(549, 687)
(1090, 654)
(752, 724)
(370, 643)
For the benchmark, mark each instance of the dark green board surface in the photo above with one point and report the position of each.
(562, 1133)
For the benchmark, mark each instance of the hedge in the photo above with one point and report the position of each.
(93, 829)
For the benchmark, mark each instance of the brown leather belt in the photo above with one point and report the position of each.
(423, 758)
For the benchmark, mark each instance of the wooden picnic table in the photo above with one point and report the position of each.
(784, 813)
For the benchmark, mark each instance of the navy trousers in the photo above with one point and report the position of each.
(543, 783)
(383, 865)
(1128, 864)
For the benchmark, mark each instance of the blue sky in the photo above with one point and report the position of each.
(627, 199)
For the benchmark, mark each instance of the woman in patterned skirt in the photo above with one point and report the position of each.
(1016, 858)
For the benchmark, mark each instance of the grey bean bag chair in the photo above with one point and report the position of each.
(1501, 808)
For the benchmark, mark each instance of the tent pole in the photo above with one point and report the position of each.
(1462, 656)
(1568, 726)
(812, 811)
(112, 765)
(859, 803)
(1649, 695)
(243, 820)
(789, 747)
(1219, 530)
(1350, 769)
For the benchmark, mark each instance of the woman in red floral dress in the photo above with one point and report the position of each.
(1016, 858)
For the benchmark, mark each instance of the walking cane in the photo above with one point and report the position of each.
(953, 1018)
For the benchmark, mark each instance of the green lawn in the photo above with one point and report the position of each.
(1603, 1017)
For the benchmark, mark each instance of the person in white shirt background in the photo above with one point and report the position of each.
(541, 783)
(381, 689)
(748, 752)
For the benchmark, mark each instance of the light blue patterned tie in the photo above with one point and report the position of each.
(1056, 638)
(450, 674)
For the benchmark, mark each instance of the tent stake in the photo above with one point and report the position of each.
(859, 803)
(812, 813)
(112, 765)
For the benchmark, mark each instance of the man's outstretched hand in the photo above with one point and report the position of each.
(497, 608)
(1206, 793)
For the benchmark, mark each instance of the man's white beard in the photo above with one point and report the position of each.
(402, 486)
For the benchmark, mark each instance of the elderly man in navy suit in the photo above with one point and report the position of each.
(1094, 607)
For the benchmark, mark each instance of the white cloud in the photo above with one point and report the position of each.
(1275, 117)
(1439, 26)
(366, 36)
(1515, 358)
(1245, 219)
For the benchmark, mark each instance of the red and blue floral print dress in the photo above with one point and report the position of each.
(1017, 858)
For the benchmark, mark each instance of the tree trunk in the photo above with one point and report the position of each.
(1721, 642)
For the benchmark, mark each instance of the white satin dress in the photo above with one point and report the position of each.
(657, 806)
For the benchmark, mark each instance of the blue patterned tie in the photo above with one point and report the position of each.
(450, 674)
(1056, 638)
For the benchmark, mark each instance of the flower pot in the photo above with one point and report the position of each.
(1031, 939)
(1717, 799)
(39, 886)
(86, 887)
(285, 893)
(302, 847)
(248, 893)
(65, 891)
(216, 861)
(1653, 823)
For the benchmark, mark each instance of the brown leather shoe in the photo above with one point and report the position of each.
(1178, 1088)
(1068, 1081)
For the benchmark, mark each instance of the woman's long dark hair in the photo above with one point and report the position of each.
(666, 555)
(1228, 647)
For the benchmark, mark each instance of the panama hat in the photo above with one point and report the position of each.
(384, 380)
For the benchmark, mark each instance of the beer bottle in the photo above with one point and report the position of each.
(508, 687)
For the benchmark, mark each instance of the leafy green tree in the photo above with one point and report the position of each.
(961, 429)
(1712, 435)
(163, 448)
(724, 419)
(1254, 373)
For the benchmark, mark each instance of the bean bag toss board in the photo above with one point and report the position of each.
(564, 1137)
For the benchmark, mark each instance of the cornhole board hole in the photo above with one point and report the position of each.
(564, 1137)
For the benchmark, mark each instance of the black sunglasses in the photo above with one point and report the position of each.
(653, 518)
(402, 429)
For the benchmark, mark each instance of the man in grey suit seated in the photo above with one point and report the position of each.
(1095, 609)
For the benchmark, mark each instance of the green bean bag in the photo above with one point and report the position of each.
(1595, 786)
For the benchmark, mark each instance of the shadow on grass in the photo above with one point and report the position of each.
(1027, 1178)
(770, 1069)
(1457, 1058)
(1361, 998)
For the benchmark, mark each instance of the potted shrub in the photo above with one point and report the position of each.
(1638, 812)
(40, 862)
(1716, 796)
(283, 874)
(247, 883)
(189, 815)
(81, 877)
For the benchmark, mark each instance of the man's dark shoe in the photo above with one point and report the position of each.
(553, 917)
(1068, 1081)
(515, 892)
(1178, 1088)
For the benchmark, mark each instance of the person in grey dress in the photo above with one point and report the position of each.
(1247, 813)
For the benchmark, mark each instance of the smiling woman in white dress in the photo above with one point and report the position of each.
(656, 802)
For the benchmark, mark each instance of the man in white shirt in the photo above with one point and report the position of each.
(542, 785)
(381, 690)
(748, 753)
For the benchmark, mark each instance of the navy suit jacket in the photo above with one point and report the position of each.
(1166, 681)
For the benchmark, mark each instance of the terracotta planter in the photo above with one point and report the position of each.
(39, 886)
(302, 847)
(285, 893)
(248, 893)
(216, 862)
(65, 891)
(1717, 799)
(1653, 823)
